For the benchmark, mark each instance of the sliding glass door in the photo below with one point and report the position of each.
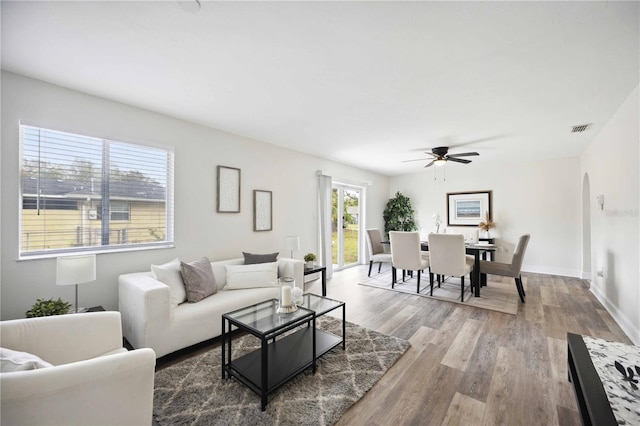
(345, 225)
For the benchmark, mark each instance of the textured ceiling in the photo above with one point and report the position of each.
(364, 83)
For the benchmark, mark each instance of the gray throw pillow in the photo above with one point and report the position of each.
(252, 259)
(199, 280)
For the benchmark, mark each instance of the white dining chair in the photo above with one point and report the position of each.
(406, 255)
(448, 258)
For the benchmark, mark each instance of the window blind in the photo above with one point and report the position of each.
(82, 193)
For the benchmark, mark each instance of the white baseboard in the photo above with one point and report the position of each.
(586, 275)
(552, 271)
(625, 324)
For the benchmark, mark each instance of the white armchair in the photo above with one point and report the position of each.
(92, 380)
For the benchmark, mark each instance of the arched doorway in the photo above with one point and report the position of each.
(586, 228)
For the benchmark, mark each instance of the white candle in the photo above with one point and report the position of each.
(286, 296)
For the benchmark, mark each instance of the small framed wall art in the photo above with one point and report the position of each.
(228, 195)
(467, 208)
(262, 210)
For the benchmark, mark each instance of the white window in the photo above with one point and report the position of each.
(70, 183)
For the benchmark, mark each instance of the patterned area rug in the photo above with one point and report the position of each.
(193, 392)
(499, 295)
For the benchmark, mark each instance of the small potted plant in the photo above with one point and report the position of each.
(44, 308)
(310, 258)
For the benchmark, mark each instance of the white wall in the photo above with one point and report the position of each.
(199, 230)
(541, 198)
(611, 163)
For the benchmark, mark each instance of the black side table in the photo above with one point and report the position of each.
(95, 309)
(323, 270)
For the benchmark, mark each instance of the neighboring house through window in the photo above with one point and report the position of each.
(69, 183)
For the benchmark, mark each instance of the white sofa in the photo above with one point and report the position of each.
(150, 321)
(92, 380)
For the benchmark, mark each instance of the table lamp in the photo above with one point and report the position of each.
(74, 270)
(292, 243)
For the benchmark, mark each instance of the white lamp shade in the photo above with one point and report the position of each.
(292, 242)
(76, 269)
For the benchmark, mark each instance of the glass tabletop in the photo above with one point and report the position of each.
(264, 318)
(319, 304)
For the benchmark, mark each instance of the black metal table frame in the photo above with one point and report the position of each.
(263, 389)
(323, 271)
(344, 317)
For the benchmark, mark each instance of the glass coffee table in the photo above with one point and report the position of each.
(281, 356)
(322, 305)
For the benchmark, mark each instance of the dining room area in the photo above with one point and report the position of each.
(461, 246)
(544, 248)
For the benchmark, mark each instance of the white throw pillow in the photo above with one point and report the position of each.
(169, 273)
(11, 360)
(252, 276)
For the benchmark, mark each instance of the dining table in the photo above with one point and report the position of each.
(478, 251)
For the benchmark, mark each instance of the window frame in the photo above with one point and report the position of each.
(169, 209)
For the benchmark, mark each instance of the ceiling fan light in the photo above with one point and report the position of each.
(440, 162)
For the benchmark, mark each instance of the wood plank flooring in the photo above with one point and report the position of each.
(469, 366)
(474, 367)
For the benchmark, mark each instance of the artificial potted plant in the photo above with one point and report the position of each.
(310, 258)
(398, 214)
(45, 308)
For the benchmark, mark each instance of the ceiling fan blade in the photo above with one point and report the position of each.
(454, 144)
(417, 159)
(464, 154)
(458, 160)
(430, 164)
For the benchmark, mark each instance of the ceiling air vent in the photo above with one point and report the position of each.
(580, 128)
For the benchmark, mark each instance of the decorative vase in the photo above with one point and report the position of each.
(309, 264)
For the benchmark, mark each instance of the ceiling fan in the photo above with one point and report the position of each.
(440, 157)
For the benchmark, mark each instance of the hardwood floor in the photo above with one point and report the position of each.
(469, 366)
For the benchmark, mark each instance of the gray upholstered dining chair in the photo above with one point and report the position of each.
(448, 257)
(406, 255)
(376, 249)
(512, 269)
